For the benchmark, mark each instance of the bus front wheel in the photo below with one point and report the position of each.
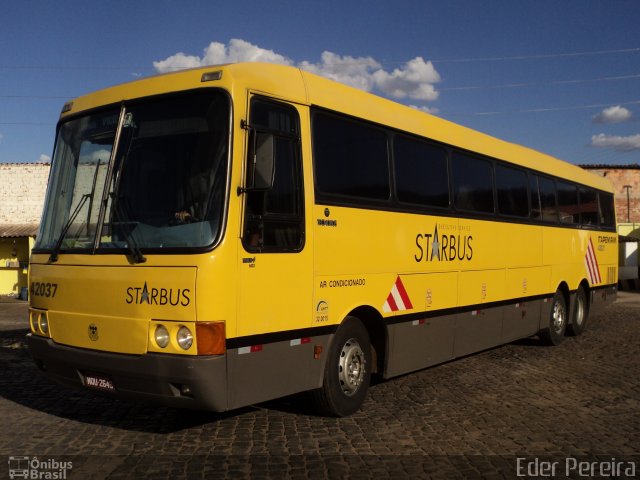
(347, 372)
(553, 333)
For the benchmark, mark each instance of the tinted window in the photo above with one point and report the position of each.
(472, 183)
(608, 212)
(568, 206)
(511, 186)
(589, 207)
(547, 190)
(350, 158)
(536, 209)
(178, 145)
(421, 172)
(274, 118)
(274, 220)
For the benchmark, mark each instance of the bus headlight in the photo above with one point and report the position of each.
(162, 336)
(33, 321)
(43, 323)
(184, 338)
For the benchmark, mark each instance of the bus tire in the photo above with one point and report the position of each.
(347, 372)
(580, 314)
(553, 333)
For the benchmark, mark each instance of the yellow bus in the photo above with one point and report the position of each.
(218, 237)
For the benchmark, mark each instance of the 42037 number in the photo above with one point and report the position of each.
(40, 289)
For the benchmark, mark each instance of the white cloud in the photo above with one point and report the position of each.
(426, 108)
(218, 53)
(615, 114)
(621, 144)
(178, 61)
(240, 51)
(1, 137)
(354, 71)
(45, 158)
(415, 79)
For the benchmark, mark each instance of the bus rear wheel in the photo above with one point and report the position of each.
(580, 314)
(553, 333)
(347, 372)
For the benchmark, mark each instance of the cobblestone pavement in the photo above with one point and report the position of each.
(469, 418)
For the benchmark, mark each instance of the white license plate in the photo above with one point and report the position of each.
(99, 382)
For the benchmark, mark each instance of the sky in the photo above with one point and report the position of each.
(559, 76)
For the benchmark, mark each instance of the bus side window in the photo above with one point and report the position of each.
(351, 159)
(511, 187)
(607, 210)
(536, 208)
(548, 200)
(568, 206)
(274, 219)
(420, 172)
(472, 183)
(589, 207)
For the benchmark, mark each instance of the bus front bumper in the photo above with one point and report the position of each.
(169, 380)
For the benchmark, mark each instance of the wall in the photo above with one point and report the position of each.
(22, 190)
(13, 268)
(620, 176)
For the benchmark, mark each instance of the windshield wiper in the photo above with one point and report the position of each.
(93, 189)
(132, 244)
(56, 250)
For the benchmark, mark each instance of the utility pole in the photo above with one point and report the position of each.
(627, 188)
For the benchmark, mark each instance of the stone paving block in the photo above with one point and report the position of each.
(470, 418)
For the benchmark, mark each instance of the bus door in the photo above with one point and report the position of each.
(276, 262)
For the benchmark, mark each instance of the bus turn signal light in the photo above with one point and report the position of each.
(211, 338)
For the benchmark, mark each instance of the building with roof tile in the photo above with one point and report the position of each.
(22, 192)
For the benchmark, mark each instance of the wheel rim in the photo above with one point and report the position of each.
(351, 367)
(559, 317)
(579, 310)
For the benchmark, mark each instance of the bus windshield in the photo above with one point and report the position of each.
(161, 186)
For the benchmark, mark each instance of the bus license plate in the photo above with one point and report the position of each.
(99, 382)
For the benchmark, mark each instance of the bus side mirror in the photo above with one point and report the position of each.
(262, 168)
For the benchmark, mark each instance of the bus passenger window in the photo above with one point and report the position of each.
(548, 200)
(568, 206)
(350, 158)
(472, 183)
(420, 172)
(511, 186)
(607, 210)
(536, 208)
(589, 207)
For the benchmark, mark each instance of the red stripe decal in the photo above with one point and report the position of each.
(392, 303)
(595, 261)
(592, 264)
(403, 294)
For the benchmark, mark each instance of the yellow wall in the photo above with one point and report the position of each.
(629, 229)
(14, 254)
